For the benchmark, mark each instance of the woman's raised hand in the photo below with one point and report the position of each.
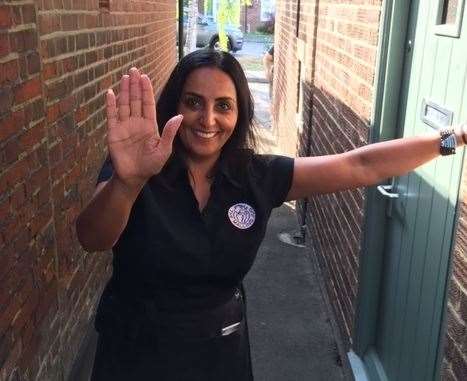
(136, 149)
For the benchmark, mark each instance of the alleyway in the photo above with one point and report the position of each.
(291, 334)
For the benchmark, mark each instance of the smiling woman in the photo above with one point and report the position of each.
(184, 207)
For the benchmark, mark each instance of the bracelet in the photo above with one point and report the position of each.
(463, 126)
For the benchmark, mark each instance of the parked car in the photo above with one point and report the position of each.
(207, 33)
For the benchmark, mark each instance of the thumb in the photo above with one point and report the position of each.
(170, 130)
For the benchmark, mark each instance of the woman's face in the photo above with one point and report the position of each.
(209, 107)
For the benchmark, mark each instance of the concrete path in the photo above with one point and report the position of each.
(291, 335)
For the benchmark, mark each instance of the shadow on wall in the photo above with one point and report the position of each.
(334, 221)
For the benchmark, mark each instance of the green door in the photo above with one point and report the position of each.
(421, 221)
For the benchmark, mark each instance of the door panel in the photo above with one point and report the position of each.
(421, 224)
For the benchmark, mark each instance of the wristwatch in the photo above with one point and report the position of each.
(447, 145)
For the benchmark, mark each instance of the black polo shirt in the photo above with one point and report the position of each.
(187, 260)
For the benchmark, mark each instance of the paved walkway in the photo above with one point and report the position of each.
(291, 335)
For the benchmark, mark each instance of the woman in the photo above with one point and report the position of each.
(185, 212)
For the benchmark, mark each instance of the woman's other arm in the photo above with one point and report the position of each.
(102, 222)
(364, 166)
(137, 153)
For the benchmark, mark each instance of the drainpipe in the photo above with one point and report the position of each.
(180, 30)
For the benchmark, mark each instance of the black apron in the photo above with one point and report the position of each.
(150, 345)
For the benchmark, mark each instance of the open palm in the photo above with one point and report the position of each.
(136, 149)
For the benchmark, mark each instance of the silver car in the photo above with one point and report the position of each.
(207, 34)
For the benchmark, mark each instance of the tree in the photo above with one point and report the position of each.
(228, 13)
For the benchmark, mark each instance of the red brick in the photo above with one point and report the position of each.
(4, 210)
(16, 14)
(8, 72)
(32, 136)
(58, 89)
(23, 40)
(66, 105)
(5, 17)
(6, 99)
(29, 13)
(81, 114)
(17, 198)
(25, 294)
(49, 71)
(69, 22)
(11, 124)
(12, 356)
(28, 90)
(15, 288)
(11, 150)
(53, 113)
(32, 338)
(22, 242)
(69, 65)
(48, 23)
(34, 63)
(43, 196)
(40, 220)
(48, 302)
(14, 174)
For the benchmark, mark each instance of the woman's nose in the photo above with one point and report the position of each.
(209, 118)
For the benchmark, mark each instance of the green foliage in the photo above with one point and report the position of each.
(228, 13)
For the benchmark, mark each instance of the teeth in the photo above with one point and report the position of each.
(204, 134)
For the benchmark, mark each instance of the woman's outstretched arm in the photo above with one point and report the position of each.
(364, 166)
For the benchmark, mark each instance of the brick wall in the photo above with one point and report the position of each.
(330, 59)
(454, 367)
(57, 58)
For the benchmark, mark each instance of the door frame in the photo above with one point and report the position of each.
(394, 25)
(383, 126)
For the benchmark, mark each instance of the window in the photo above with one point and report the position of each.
(449, 11)
(449, 18)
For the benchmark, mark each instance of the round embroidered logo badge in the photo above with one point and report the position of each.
(242, 215)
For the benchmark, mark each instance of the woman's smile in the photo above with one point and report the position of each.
(205, 134)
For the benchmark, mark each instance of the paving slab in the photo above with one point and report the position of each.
(292, 338)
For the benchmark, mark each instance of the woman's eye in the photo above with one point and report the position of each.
(192, 102)
(224, 106)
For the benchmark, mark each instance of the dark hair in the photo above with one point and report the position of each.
(242, 137)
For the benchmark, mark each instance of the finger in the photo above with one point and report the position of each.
(169, 132)
(124, 98)
(111, 108)
(135, 92)
(149, 103)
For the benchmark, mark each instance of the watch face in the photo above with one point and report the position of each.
(448, 144)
